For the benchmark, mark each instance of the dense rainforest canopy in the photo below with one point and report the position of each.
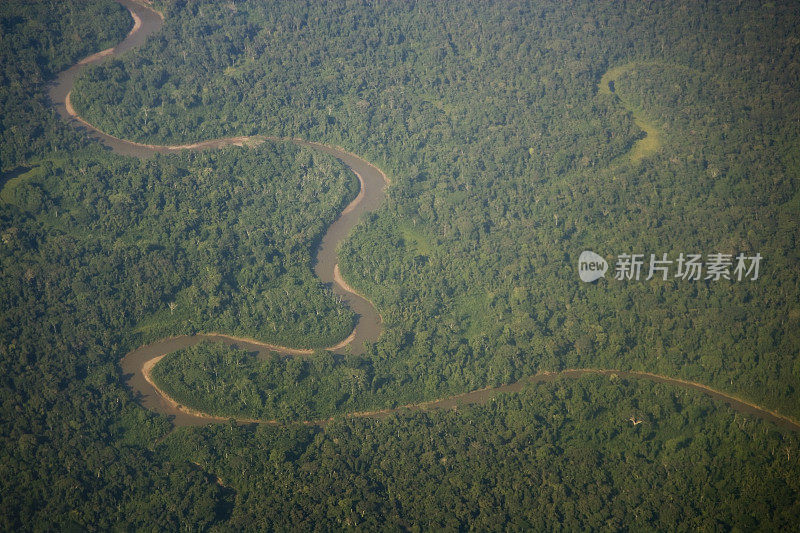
(509, 153)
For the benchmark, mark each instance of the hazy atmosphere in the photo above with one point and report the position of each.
(403, 265)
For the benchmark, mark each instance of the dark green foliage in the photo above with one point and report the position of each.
(506, 163)
(217, 234)
(94, 249)
(225, 381)
(562, 454)
(39, 38)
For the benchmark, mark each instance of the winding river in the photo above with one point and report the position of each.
(136, 364)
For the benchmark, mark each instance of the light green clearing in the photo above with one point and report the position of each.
(8, 187)
(649, 145)
(652, 140)
(415, 241)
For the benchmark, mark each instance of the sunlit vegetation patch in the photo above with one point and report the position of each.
(7, 194)
(647, 145)
(651, 142)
